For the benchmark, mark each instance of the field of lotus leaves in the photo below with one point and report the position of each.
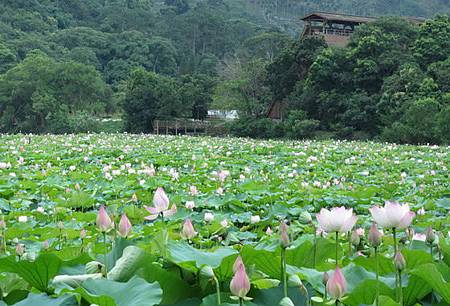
(163, 220)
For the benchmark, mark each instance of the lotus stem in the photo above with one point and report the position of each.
(314, 248)
(106, 252)
(283, 271)
(4, 240)
(241, 302)
(394, 234)
(337, 238)
(60, 239)
(377, 299)
(400, 286)
(216, 281)
(349, 244)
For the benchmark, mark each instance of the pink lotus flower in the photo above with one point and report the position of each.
(160, 206)
(392, 215)
(338, 219)
(124, 226)
(336, 285)
(104, 222)
(240, 284)
(188, 231)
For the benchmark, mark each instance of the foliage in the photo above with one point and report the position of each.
(41, 95)
(396, 92)
(51, 187)
(151, 96)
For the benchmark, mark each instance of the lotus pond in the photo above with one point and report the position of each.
(164, 220)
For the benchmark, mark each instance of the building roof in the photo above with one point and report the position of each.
(353, 18)
(339, 17)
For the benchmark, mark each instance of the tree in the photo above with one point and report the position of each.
(433, 43)
(292, 65)
(150, 96)
(179, 6)
(7, 58)
(196, 90)
(267, 45)
(41, 95)
(246, 90)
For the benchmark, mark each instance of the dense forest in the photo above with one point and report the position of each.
(64, 65)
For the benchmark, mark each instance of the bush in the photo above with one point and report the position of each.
(420, 124)
(256, 128)
(297, 126)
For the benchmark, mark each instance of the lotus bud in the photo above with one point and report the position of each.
(399, 261)
(305, 217)
(374, 235)
(83, 234)
(286, 301)
(207, 272)
(237, 262)
(188, 231)
(224, 223)
(284, 235)
(124, 226)
(430, 235)
(190, 205)
(240, 284)
(336, 285)
(20, 249)
(410, 232)
(104, 223)
(134, 198)
(193, 190)
(269, 231)
(209, 217)
(45, 245)
(325, 278)
(60, 225)
(77, 186)
(354, 238)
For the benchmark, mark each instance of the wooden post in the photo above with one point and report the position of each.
(185, 128)
(176, 128)
(157, 127)
(167, 127)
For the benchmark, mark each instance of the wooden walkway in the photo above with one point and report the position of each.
(189, 127)
(180, 127)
